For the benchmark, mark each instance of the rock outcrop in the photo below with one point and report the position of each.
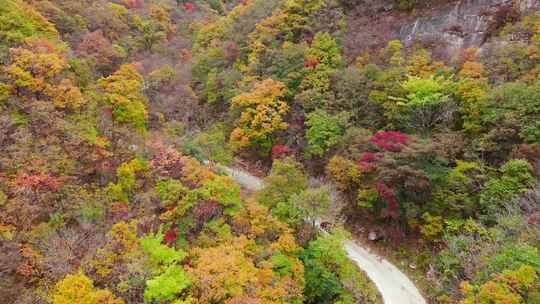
(463, 24)
(444, 26)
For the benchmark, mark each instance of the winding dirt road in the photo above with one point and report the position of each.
(394, 286)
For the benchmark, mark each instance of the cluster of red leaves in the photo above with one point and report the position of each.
(190, 6)
(392, 141)
(281, 151)
(133, 4)
(368, 160)
(389, 196)
(185, 55)
(170, 236)
(311, 63)
(38, 182)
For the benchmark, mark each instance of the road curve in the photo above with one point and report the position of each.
(394, 286)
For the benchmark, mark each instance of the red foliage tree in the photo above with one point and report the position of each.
(311, 63)
(392, 141)
(170, 236)
(368, 160)
(132, 4)
(281, 151)
(389, 196)
(190, 6)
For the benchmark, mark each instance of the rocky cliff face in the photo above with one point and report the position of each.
(445, 26)
(462, 24)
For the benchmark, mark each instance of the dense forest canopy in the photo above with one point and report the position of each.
(114, 116)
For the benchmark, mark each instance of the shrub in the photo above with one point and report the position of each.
(323, 132)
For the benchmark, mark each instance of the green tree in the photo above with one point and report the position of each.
(171, 279)
(458, 194)
(323, 132)
(512, 257)
(312, 203)
(515, 179)
(329, 274)
(427, 104)
(308, 205)
(285, 179)
(168, 285)
(213, 144)
(325, 51)
(151, 35)
(126, 175)
(224, 190)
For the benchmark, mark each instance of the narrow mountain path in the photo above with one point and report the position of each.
(394, 286)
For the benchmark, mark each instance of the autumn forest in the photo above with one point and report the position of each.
(395, 123)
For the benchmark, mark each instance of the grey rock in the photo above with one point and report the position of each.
(460, 24)
(374, 236)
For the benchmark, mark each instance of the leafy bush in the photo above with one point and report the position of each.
(323, 133)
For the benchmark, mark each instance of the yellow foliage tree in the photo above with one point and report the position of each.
(472, 88)
(123, 92)
(223, 271)
(344, 172)
(229, 272)
(78, 288)
(262, 112)
(122, 245)
(508, 287)
(36, 72)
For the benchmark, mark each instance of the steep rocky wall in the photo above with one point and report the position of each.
(444, 26)
(461, 24)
